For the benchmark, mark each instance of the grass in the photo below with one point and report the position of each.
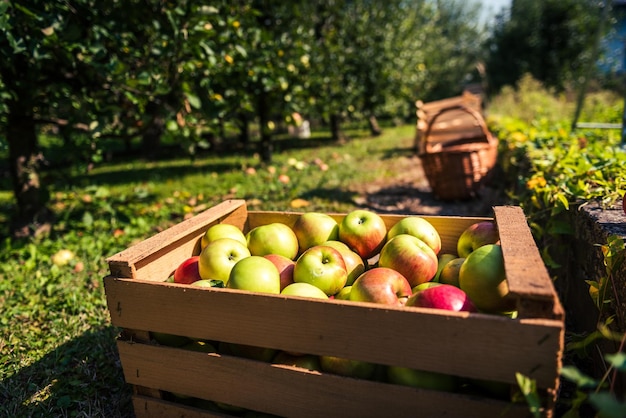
(57, 347)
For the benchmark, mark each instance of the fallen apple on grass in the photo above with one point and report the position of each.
(323, 267)
(381, 285)
(411, 257)
(364, 231)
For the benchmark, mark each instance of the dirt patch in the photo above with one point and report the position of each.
(409, 193)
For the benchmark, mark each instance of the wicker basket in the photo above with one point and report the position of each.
(458, 166)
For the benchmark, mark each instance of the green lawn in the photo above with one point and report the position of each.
(57, 348)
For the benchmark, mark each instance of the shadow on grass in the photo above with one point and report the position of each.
(82, 377)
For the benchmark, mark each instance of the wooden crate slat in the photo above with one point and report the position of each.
(344, 329)
(289, 391)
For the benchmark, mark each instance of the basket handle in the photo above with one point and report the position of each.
(475, 114)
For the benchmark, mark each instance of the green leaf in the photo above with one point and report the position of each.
(194, 100)
(617, 360)
(573, 374)
(607, 405)
(528, 387)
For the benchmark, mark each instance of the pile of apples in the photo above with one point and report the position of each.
(356, 259)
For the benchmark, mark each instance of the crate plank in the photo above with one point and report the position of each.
(146, 406)
(344, 328)
(289, 391)
(146, 260)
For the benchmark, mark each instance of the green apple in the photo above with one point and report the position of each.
(315, 228)
(364, 231)
(218, 231)
(354, 263)
(347, 367)
(419, 228)
(424, 286)
(188, 271)
(218, 258)
(443, 296)
(285, 268)
(450, 272)
(255, 274)
(411, 257)
(381, 285)
(170, 340)
(273, 238)
(483, 278)
(304, 361)
(442, 260)
(475, 236)
(322, 267)
(422, 379)
(253, 352)
(208, 283)
(304, 290)
(344, 293)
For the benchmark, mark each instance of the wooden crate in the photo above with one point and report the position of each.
(471, 345)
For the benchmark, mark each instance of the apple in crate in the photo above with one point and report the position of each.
(323, 267)
(304, 290)
(273, 238)
(381, 285)
(421, 379)
(347, 367)
(253, 352)
(410, 256)
(304, 361)
(218, 258)
(314, 228)
(354, 263)
(442, 260)
(450, 272)
(443, 296)
(419, 228)
(477, 235)
(483, 278)
(188, 271)
(285, 268)
(255, 274)
(364, 232)
(218, 231)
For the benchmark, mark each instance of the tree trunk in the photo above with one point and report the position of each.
(265, 146)
(151, 138)
(25, 160)
(335, 127)
(374, 127)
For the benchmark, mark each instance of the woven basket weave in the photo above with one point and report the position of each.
(456, 169)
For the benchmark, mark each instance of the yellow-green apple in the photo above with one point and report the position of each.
(425, 285)
(363, 231)
(256, 274)
(218, 231)
(354, 263)
(422, 379)
(410, 256)
(347, 367)
(304, 290)
(218, 258)
(285, 268)
(419, 228)
(208, 283)
(62, 257)
(381, 285)
(314, 228)
(304, 361)
(323, 267)
(273, 238)
(483, 278)
(442, 259)
(187, 272)
(475, 236)
(444, 296)
(450, 272)
(248, 351)
(170, 340)
(344, 293)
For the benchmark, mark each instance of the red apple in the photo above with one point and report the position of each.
(381, 285)
(354, 263)
(315, 228)
(323, 267)
(187, 272)
(364, 232)
(419, 228)
(255, 274)
(285, 268)
(477, 235)
(410, 256)
(273, 238)
(218, 258)
(444, 296)
(483, 278)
